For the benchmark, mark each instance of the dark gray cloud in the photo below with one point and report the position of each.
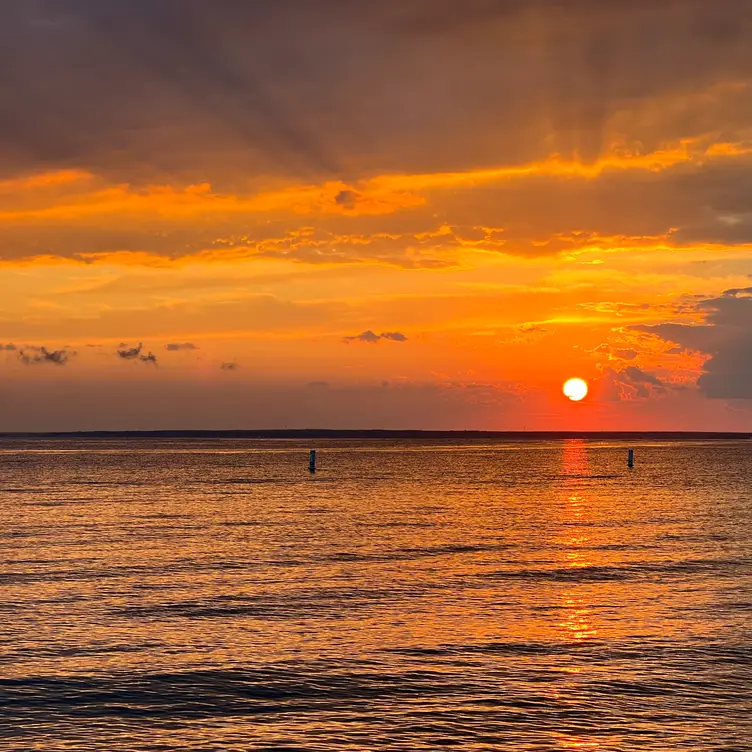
(129, 353)
(136, 353)
(177, 347)
(348, 199)
(394, 336)
(368, 336)
(331, 86)
(372, 338)
(222, 68)
(638, 376)
(726, 337)
(36, 355)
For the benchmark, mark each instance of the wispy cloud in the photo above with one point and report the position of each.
(229, 366)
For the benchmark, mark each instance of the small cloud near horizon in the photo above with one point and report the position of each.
(36, 355)
(177, 347)
(371, 338)
(229, 366)
(136, 353)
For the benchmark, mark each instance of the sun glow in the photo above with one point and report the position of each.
(575, 389)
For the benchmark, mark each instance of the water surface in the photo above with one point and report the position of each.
(196, 595)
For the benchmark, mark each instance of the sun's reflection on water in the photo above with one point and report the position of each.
(574, 551)
(573, 545)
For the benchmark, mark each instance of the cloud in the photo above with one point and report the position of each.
(336, 104)
(615, 354)
(394, 336)
(136, 353)
(367, 336)
(629, 384)
(626, 354)
(726, 338)
(310, 88)
(176, 347)
(638, 376)
(10, 348)
(346, 198)
(35, 355)
(229, 366)
(129, 353)
(372, 338)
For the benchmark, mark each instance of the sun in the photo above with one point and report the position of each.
(575, 389)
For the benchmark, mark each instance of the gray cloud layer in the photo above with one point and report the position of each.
(194, 91)
(726, 338)
(327, 87)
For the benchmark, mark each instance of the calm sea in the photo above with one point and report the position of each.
(194, 595)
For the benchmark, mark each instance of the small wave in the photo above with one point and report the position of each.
(316, 603)
(621, 572)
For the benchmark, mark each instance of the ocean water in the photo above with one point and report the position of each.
(197, 595)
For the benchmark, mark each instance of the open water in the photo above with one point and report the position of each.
(194, 595)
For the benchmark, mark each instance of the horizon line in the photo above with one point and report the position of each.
(373, 433)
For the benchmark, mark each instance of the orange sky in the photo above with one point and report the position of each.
(404, 214)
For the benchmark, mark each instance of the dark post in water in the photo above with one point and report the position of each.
(630, 458)
(312, 461)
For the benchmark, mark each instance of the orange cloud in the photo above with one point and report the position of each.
(44, 180)
(200, 200)
(621, 158)
(378, 195)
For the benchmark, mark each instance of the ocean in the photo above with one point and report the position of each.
(411, 595)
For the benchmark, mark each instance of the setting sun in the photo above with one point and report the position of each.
(575, 389)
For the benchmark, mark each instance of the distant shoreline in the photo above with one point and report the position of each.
(385, 435)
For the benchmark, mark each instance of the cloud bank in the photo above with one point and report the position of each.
(726, 338)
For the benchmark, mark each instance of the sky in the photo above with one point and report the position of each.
(232, 214)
